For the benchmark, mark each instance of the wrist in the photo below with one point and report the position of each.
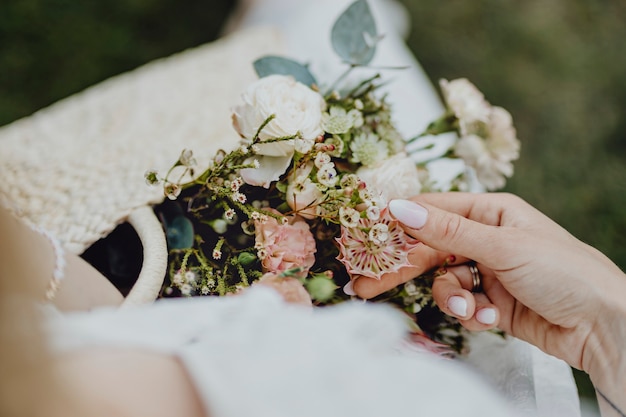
(603, 357)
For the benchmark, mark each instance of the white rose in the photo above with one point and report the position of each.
(395, 177)
(303, 194)
(297, 109)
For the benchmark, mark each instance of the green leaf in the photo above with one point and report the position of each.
(271, 64)
(354, 34)
(179, 233)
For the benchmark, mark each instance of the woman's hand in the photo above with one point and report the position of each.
(540, 283)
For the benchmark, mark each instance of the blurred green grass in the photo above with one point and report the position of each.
(556, 65)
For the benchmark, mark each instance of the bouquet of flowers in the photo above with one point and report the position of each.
(300, 204)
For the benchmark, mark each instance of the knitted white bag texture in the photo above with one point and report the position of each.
(76, 168)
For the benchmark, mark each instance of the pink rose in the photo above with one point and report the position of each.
(291, 289)
(285, 246)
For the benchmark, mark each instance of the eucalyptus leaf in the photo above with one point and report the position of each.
(354, 34)
(179, 233)
(271, 64)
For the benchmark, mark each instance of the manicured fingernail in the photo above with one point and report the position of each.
(458, 306)
(348, 289)
(409, 213)
(486, 315)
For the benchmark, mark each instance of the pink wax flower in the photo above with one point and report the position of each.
(374, 248)
(285, 246)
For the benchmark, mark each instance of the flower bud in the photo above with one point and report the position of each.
(246, 258)
(321, 288)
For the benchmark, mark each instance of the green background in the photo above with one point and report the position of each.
(557, 65)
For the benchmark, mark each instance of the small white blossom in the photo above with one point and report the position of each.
(349, 217)
(373, 213)
(369, 149)
(217, 254)
(186, 158)
(229, 214)
(186, 289)
(190, 276)
(349, 181)
(327, 175)
(366, 195)
(303, 146)
(321, 159)
(152, 177)
(379, 234)
(337, 145)
(172, 191)
(178, 279)
(338, 121)
(239, 197)
(204, 290)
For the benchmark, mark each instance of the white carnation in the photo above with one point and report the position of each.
(466, 102)
(491, 157)
(396, 177)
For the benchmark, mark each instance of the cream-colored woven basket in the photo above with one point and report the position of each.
(77, 167)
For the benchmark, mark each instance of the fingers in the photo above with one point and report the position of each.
(495, 209)
(451, 292)
(451, 232)
(421, 257)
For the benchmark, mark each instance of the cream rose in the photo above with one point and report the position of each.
(395, 177)
(297, 110)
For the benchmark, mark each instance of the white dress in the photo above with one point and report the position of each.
(254, 355)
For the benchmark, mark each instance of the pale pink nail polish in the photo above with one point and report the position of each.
(486, 316)
(458, 306)
(411, 214)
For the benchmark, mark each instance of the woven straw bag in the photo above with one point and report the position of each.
(76, 168)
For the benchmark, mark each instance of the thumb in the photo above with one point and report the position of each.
(448, 232)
